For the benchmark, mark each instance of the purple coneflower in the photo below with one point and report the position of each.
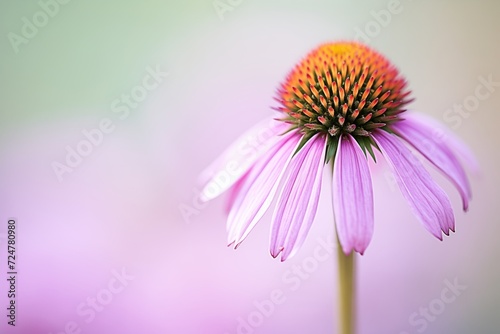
(338, 104)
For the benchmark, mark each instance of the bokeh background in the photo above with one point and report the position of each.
(121, 208)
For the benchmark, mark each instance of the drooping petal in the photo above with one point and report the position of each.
(442, 133)
(236, 160)
(428, 201)
(419, 134)
(299, 198)
(352, 196)
(259, 187)
(234, 191)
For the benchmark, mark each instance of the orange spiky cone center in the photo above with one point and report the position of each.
(343, 88)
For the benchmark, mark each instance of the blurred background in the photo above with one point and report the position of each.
(109, 111)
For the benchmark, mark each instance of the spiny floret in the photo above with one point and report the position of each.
(343, 88)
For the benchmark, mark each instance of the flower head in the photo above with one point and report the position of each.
(337, 105)
(343, 88)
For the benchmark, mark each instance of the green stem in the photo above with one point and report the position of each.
(346, 291)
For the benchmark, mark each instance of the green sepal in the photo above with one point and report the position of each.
(303, 141)
(331, 150)
(361, 143)
(288, 130)
(366, 144)
(373, 144)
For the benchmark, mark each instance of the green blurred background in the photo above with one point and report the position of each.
(120, 206)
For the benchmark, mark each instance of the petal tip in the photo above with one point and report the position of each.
(347, 250)
(276, 251)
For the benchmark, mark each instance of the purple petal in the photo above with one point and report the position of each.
(234, 192)
(352, 196)
(259, 187)
(236, 160)
(457, 145)
(419, 134)
(426, 198)
(299, 198)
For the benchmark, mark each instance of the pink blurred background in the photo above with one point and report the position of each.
(119, 210)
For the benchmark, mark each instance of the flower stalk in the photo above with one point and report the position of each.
(346, 293)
